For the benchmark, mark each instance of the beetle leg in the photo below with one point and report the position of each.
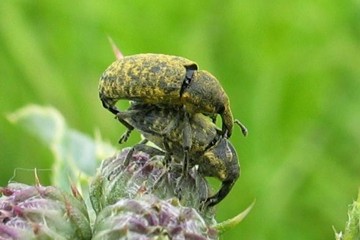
(129, 155)
(120, 117)
(112, 108)
(168, 153)
(187, 142)
(106, 104)
(125, 136)
(138, 147)
(242, 126)
(220, 195)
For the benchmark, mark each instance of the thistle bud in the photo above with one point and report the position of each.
(146, 174)
(39, 212)
(151, 218)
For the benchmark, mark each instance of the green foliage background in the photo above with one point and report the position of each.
(290, 68)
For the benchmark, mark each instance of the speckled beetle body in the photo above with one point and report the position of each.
(196, 141)
(168, 81)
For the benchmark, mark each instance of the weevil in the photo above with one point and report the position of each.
(165, 80)
(194, 142)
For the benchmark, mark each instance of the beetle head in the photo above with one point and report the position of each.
(222, 162)
(205, 94)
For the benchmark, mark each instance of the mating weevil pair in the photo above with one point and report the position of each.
(179, 94)
(166, 80)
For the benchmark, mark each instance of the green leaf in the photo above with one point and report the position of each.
(76, 155)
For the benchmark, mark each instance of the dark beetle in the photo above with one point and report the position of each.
(168, 81)
(193, 142)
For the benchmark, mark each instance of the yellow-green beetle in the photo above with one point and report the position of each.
(167, 81)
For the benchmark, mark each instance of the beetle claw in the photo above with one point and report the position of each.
(125, 136)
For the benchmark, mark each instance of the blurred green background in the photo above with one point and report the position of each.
(290, 68)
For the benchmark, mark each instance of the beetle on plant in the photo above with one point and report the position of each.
(193, 140)
(168, 81)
